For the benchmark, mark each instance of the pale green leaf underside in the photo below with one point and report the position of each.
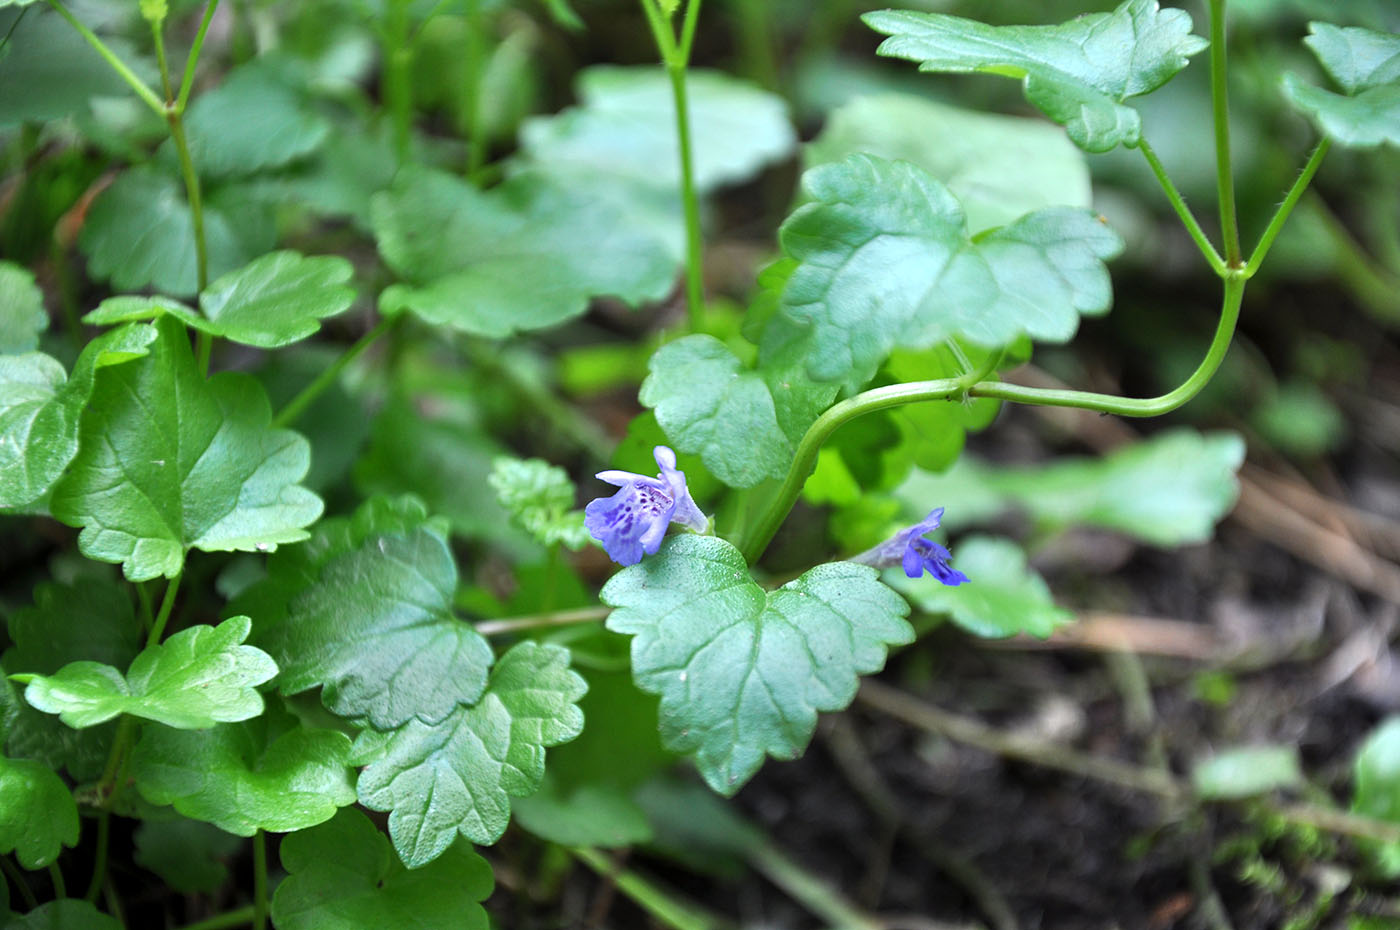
(525, 255)
(343, 876)
(999, 167)
(39, 410)
(460, 774)
(198, 677)
(242, 778)
(22, 316)
(272, 301)
(365, 610)
(1170, 490)
(1077, 73)
(1005, 596)
(37, 813)
(742, 672)
(626, 125)
(885, 261)
(169, 461)
(1367, 66)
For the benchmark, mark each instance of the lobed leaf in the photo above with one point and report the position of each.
(37, 813)
(540, 497)
(254, 120)
(625, 124)
(342, 876)
(169, 462)
(267, 773)
(458, 775)
(198, 677)
(742, 673)
(885, 260)
(1366, 64)
(365, 610)
(526, 255)
(1005, 598)
(93, 620)
(1078, 73)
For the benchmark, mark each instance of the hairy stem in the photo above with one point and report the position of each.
(158, 39)
(1178, 203)
(1220, 111)
(297, 405)
(1285, 209)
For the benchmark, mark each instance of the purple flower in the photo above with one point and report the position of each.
(634, 520)
(918, 555)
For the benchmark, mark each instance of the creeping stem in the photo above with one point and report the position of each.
(1220, 110)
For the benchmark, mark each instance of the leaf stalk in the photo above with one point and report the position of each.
(1188, 219)
(298, 404)
(1220, 112)
(1285, 210)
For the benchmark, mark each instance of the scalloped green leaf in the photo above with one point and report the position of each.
(540, 497)
(999, 167)
(37, 813)
(65, 914)
(742, 673)
(885, 260)
(458, 775)
(255, 119)
(40, 407)
(1078, 73)
(189, 855)
(365, 610)
(198, 677)
(525, 255)
(626, 124)
(343, 876)
(50, 72)
(139, 233)
(1366, 64)
(1005, 596)
(268, 773)
(22, 315)
(169, 462)
(92, 620)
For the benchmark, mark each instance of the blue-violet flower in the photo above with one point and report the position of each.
(917, 555)
(634, 520)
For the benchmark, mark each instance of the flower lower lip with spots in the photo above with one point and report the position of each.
(633, 521)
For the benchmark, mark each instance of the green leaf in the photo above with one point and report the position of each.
(459, 775)
(1376, 775)
(885, 260)
(252, 121)
(189, 856)
(169, 461)
(1078, 73)
(39, 411)
(93, 620)
(525, 255)
(1367, 66)
(626, 125)
(741, 672)
(197, 678)
(999, 167)
(1245, 772)
(50, 72)
(37, 814)
(22, 315)
(1190, 477)
(1005, 596)
(365, 610)
(65, 914)
(541, 498)
(268, 773)
(343, 876)
(593, 815)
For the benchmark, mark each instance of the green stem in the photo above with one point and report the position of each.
(99, 864)
(259, 880)
(692, 20)
(167, 604)
(755, 40)
(806, 889)
(297, 406)
(18, 880)
(472, 55)
(236, 918)
(192, 194)
(398, 80)
(106, 785)
(895, 395)
(1285, 209)
(1188, 219)
(1220, 110)
(541, 620)
(119, 66)
(60, 887)
(690, 201)
(158, 38)
(187, 82)
(647, 896)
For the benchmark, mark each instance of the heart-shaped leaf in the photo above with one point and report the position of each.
(742, 672)
(1367, 66)
(169, 462)
(1078, 73)
(37, 813)
(197, 678)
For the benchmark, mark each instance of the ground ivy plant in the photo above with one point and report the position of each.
(300, 622)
